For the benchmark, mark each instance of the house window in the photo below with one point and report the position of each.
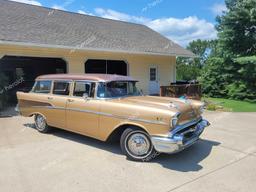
(106, 66)
(153, 74)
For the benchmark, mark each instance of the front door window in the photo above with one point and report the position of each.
(152, 74)
(154, 87)
(42, 87)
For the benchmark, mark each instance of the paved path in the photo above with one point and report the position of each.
(224, 160)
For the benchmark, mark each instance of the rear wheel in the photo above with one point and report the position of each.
(41, 124)
(136, 145)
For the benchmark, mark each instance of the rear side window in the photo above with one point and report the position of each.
(42, 87)
(82, 88)
(61, 88)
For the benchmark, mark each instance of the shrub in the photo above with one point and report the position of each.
(230, 78)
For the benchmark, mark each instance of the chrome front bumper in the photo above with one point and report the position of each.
(180, 140)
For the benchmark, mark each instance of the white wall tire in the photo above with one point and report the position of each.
(136, 145)
(41, 124)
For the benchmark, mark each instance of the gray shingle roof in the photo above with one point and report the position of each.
(25, 23)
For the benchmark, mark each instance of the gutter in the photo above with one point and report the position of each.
(88, 49)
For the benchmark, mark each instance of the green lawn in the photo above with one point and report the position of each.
(233, 105)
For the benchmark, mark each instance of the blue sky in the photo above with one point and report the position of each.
(179, 20)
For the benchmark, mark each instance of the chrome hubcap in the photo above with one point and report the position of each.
(40, 122)
(138, 144)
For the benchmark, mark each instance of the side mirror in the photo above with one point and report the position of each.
(85, 96)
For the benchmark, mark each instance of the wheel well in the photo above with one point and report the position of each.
(116, 134)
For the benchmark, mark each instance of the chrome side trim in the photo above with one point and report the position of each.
(48, 107)
(117, 116)
(104, 114)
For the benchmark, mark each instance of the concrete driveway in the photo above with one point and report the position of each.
(224, 160)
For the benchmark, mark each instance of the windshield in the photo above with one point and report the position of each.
(117, 89)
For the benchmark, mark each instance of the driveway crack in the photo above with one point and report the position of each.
(209, 173)
(237, 150)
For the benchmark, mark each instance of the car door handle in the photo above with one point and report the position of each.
(70, 100)
(50, 98)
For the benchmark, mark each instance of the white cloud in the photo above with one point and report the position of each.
(58, 7)
(151, 5)
(84, 13)
(111, 14)
(218, 8)
(67, 3)
(63, 5)
(81, 12)
(32, 2)
(182, 31)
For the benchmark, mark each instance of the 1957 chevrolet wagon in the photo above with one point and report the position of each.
(110, 106)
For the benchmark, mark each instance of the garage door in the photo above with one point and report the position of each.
(28, 68)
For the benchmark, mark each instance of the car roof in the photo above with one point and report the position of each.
(88, 77)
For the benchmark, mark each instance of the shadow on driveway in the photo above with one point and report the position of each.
(8, 112)
(189, 159)
(184, 161)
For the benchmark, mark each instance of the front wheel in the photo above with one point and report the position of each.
(136, 145)
(41, 124)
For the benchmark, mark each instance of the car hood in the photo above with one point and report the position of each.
(188, 109)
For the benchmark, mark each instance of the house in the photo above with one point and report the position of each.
(36, 40)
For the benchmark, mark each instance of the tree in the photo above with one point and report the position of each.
(237, 28)
(231, 71)
(230, 77)
(200, 48)
(212, 78)
(243, 82)
(189, 68)
(187, 71)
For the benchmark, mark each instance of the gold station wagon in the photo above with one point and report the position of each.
(109, 107)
